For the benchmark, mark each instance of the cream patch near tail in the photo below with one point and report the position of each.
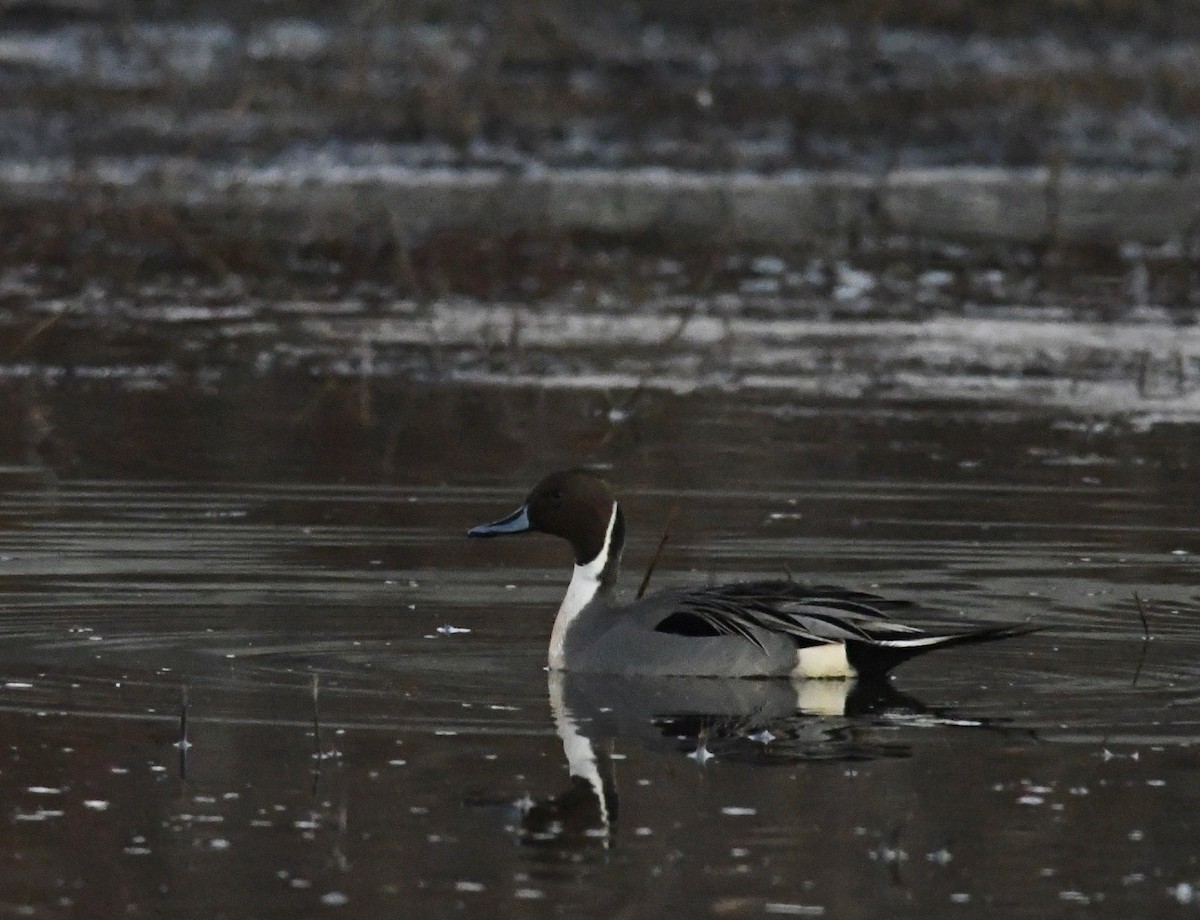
(826, 661)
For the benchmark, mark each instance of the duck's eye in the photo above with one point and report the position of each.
(556, 495)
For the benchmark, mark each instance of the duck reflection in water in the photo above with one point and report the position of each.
(755, 722)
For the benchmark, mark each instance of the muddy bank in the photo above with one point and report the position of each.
(156, 303)
(342, 205)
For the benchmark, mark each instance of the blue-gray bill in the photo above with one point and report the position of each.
(517, 522)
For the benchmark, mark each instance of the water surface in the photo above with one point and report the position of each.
(449, 772)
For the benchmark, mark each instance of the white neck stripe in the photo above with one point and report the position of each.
(585, 583)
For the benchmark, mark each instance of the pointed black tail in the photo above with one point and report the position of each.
(877, 656)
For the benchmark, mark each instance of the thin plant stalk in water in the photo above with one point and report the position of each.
(659, 551)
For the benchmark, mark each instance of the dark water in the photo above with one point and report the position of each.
(230, 545)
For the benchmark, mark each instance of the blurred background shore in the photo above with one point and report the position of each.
(872, 200)
(189, 129)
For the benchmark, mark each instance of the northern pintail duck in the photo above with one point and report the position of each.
(747, 629)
